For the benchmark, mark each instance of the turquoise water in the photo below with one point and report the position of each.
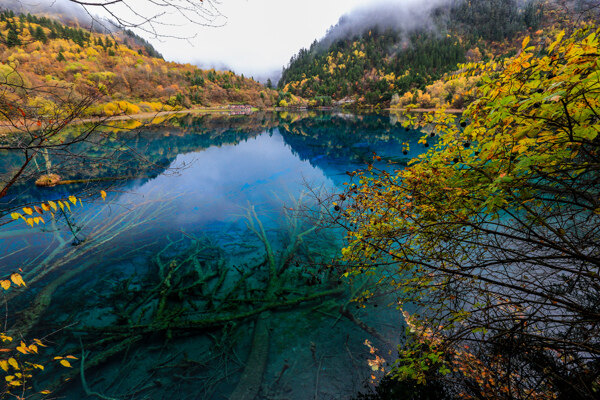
(213, 225)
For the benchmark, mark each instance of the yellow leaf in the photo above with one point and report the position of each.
(53, 205)
(17, 279)
(45, 392)
(73, 199)
(557, 41)
(27, 210)
(525, 42)
(33, 348)
(65, 363)
(22, 348)
(45, 207)
(102, 194)
(16, 215)
(5, 284)
(39, 342)
(30, 222)
(4, 365)
(9, 378)
(38, 366)
(14, 383)
(13, 363)
(61, 205)
(38, 210)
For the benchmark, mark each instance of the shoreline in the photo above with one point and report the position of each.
(6, 128)
(32, 126)
(448, 110)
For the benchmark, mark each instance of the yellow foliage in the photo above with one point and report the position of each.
(17, 279)
(120, 107)
(43, 106)
(151, 106)
(110, 109)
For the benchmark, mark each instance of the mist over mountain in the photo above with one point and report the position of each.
(405, 15)
(438, 16)
(64, 10)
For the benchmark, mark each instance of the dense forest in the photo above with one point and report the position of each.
(122, 71)
(362, 66)
(370, 66)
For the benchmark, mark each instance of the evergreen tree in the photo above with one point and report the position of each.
(40, 35)
(60, 56)
(12, 38)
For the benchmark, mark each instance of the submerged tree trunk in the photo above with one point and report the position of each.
(249, 385)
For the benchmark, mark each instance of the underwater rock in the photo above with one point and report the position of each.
(48, 180)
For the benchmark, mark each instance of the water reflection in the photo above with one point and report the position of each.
(195, 267)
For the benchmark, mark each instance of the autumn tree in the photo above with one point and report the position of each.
(494, 233)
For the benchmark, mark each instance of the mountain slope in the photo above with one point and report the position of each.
(371, 67)
(380, 58)
(122, 70)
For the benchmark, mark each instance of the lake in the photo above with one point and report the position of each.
(210, 268)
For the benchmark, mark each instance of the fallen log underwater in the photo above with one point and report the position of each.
(193, 292)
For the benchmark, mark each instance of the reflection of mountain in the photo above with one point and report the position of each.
(334, 143)
(125, 155)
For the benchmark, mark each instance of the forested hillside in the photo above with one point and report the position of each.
(121, 71)
(364, 67)
(370, 66)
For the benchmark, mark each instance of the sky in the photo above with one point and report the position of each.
(259, 36)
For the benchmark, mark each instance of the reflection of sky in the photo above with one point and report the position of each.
(206, 190)
(216, 183)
